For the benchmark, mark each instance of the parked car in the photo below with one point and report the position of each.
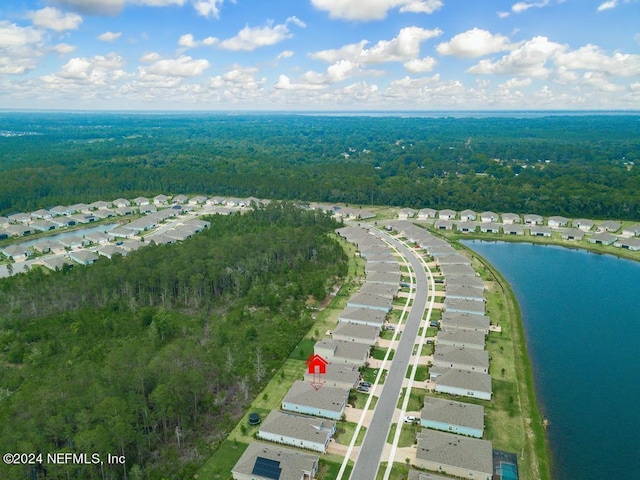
(362, 389)
(390, 327)
(410, 419)
(434, 324)
(365, 384)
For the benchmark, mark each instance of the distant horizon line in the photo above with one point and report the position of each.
(313, 112)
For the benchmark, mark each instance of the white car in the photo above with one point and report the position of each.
(410, 419)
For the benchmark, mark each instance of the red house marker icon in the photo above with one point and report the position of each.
(316, 366)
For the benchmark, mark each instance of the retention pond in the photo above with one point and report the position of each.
(581, 313)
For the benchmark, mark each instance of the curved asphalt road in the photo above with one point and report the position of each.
(368, 461)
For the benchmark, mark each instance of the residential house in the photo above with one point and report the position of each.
(461, 358)
(573, 234)
(467, 215)
(121, 232)
(603, 238)
(406, 213)
(583, 224)
(457, 271)
(198, 200)
(159, 200)
(557, 222)
(466, 227)
(439, 250)
(353, 332)
(461, 338)
(180, 199)
(110, 250)
(72, 241)
(338, 375)
(532, 219)
(374, 302)
(447, 214)
(43, 225)
(18, 230)
(463, 305)
(386, 291)
(84, 257)
(104, 213)
(339, 351)
(97, 237)
(453, 259)
(512, 229)
(124, 211)
(61, 210)
(55, 262)
(147, 209)
(387, 278)
(99, 205)
(327, 402)
(4, 222)
(17, 253)
(455, 455)
(441, 224)
(20, 218)
(465, 321)
(463, 292)
(540, 231)
(426, 213)
(311, 433)
(461, 382)
(632, 231)
(47, 246)
(363, 316)
(453, 417)
(266, 462)
(381, 267)
(41, 214)
(489, 217)
(510, 218)
(632, 244)
(608, 226)
(467, 281)
(121, 203)
(490, 227)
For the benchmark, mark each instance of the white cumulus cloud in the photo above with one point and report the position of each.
(183, 66)
(528, 59)
(405, 46)
(591, 57)
(109, 36)
(53, 19)
(608, 5)
(365, 10)
(420, 65)
(474, 43)
(250, 38)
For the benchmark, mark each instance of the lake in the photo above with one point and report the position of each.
(581, 313)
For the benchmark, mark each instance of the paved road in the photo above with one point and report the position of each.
(367, 463)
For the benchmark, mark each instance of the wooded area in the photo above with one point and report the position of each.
(155, 355)
(577, 166)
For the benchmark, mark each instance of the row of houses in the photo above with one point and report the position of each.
(488, 217)
(42, 220)
(310, 409)
(451, 440)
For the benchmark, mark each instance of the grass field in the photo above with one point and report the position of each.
(378, 353)
(407, 434)
(345, 431)
(399, 471)
(369, 375)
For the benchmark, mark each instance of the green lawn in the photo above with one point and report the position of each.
(427, 349)
(407, 434)
(399, 471)
(416, 401)
(378, 353)
(432, 332)
(345, 431)
(220, 464)
(369, 375)
(360, 399)
(328, 470)
(303, 350)
(422, 373)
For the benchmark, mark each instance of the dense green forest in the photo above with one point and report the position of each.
(578, 166)
(155, 355)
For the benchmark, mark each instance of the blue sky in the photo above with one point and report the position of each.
(320, 54)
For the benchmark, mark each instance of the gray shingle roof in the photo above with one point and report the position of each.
(454, 413)
(455, 336)
(362, 315)
(292, 463)
(327, 398)
(301, 427)
(451, 377)
(455, 450)
(461, 356)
